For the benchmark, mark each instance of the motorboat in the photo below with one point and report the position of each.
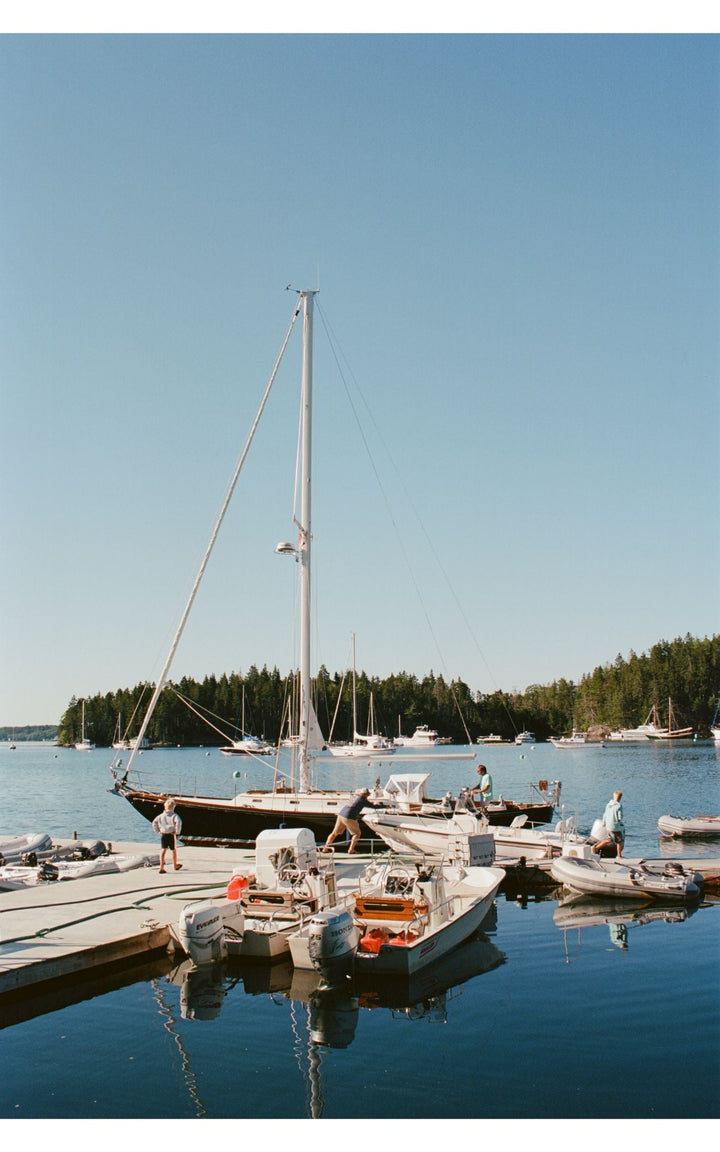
(422, 737)
(525, 738)
(689, 826)
(580, 870)
(406, 792)
(436, 836)
(248, 746)
(577, 740)
(402, 918)
(267, 901)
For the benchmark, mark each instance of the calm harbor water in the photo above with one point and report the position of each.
(543, 1015)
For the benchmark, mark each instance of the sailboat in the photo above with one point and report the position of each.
(371, 744)
(241, 817)
(671, 732)
(83, 744)
(246, 745)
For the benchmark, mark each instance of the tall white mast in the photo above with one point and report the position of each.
(304, 545)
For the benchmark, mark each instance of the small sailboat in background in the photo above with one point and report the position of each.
(247, 745)
(371, 744)
(83, 744)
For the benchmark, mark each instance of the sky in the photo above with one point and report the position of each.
(516, 410)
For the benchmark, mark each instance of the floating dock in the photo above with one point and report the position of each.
(78, 929)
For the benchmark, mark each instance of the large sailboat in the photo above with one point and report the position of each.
(241, 817)
(293, 801)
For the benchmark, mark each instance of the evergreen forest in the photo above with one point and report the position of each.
(209, 712)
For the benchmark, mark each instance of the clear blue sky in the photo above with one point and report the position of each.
(516, 239)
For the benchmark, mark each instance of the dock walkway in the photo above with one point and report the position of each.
(54, 930)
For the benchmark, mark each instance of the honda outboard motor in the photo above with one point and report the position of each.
(332, 941)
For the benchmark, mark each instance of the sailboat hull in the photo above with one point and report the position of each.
(237, 820)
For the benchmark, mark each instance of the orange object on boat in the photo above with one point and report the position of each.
(373, 939)
(404, 938)
(237, 886)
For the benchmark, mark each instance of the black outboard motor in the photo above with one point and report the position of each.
(47, 871)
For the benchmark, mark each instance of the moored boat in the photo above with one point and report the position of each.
(581, 871)
(672, 731)
(267, 901)
(401, 919)
(689, 826)
(422, 737)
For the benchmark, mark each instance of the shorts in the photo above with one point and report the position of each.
(617, 838)
(167, 839)
(345, 822)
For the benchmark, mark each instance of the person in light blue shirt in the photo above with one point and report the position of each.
(613, 821)
(483, 790)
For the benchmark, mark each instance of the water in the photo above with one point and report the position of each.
(530, 1020)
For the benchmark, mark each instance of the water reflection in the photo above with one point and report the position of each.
(324, 1015)
(576, 913)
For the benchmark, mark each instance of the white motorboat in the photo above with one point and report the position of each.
(577, 740)
(247, 746)
(438, 836)
(422, 737)
(689, 826)
(264, 904)
(581, 871)
(525, 738)
(402, 918)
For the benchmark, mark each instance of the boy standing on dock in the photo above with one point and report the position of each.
(168, 825)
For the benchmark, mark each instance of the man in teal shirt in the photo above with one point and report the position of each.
(484, 788)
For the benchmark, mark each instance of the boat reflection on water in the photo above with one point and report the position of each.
(203, 989)
(578, 912)
(325, 1015)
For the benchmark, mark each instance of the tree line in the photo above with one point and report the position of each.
(210, 712)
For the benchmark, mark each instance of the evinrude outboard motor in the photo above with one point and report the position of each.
(332, 941)
(201, 932)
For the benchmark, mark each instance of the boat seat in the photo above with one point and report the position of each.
(261, 899)
(386, 908)
(519, 821)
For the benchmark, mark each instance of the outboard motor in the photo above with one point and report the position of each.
(332, 941)
(201, 932)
